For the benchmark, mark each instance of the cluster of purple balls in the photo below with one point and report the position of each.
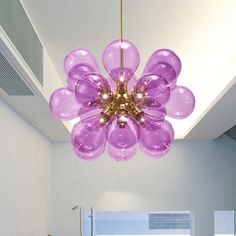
(88, 92)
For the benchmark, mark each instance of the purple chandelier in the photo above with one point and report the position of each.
(121, 112)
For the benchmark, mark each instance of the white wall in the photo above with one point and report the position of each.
(196, 176)
(25, 177)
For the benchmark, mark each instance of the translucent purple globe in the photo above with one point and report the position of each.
(63, 104)
(122, 141)
(152, 91)
(164, 63)
(156, 137)
(92, 90)
(78, 72)
(121, 57)
(88, 139)
(181, 103)
(78, 57)
(77, 63)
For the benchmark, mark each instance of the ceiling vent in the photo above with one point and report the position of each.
(162, 221)
(17, 26)
(10, 81)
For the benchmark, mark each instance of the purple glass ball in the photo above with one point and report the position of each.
(181, 103)
(76, 73)
(93, 90)
(166, 71)
(152, 91)
(88, 142)
(64, 105)
(80, 56)
(155, 137)
(122, 142)
(165, 63)
(121, 54)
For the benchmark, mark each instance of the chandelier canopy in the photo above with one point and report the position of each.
(121, 112)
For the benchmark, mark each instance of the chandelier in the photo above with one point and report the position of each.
(121, 112)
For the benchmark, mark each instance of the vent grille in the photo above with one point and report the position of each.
(169, 221)
(10, 81)
(17, 26)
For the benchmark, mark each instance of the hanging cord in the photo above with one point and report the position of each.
(121, 38)
(121, 20)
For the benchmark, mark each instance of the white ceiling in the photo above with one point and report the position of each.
(201, 32)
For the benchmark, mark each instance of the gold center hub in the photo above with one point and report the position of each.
(122, 106)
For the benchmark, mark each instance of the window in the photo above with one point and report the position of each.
(139, 223)
(224, 223)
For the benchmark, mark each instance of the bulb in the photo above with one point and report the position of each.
(121, 59)
(152, 91)
(78, 63)
(80, 56)
(156, 137)
(164, 63)
(105, 96)
(122, 140)
(63, 104)
(88, 138)
(93, 90)
(181, 103)
(76, 73)
(122, 79)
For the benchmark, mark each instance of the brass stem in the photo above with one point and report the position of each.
(121, 35)
(121, 19)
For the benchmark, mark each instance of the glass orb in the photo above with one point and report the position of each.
(181, 103)
(88, 141)
(165, 63)
(76, 73)
(122, 141)
(93, 90)
(152, 91)
(117, 51)
(155, 137)
(82, 58)
(64, 105)
(78, 63)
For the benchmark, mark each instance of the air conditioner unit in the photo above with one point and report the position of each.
(21, 71)
(21, 52)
